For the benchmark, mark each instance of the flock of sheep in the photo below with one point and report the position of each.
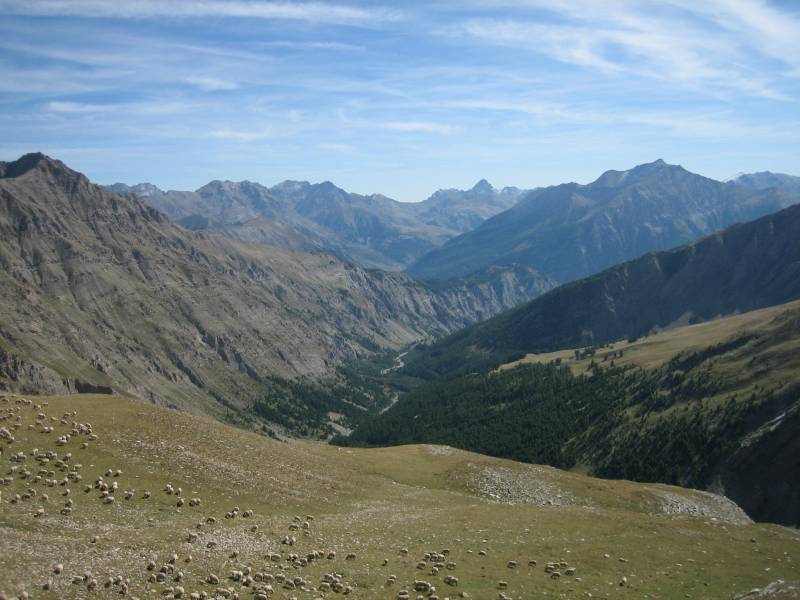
(42, 481)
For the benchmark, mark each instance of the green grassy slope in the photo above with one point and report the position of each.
(661, 542)
(715, 406)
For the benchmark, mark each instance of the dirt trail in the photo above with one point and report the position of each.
(398, 364)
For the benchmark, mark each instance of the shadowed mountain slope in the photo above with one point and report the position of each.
(741, 268)
(571, 231)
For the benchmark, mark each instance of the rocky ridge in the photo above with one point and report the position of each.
(106, 290)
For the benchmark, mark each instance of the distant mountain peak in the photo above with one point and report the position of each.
(141, 190)
(735, 177)
(291, 185)
(612, 178)
(763, 180)
(483, 186)
(30, 162)
(218, 185)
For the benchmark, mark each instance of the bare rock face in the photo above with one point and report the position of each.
(27, 377)
(105, 290)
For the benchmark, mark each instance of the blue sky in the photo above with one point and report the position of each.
(399, 98)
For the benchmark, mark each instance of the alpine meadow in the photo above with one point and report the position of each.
(305, 300)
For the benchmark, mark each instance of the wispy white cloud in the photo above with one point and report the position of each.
(240, 135)
(770, 30)
(183, 89)
(419, 126)
(293, 45)
(336, 147)
(692, 43)
(318, 12)
(77, 107)
(686, 124)
(212, 84)
(153, 108)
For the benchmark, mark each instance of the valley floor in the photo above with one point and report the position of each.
(383, 512)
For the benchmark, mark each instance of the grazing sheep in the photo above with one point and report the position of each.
(421, 586)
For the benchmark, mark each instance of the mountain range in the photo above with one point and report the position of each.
(741, 268)
(765, 179)
(101, 291)
(570, 231)
(562, 232)
(372, 231)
